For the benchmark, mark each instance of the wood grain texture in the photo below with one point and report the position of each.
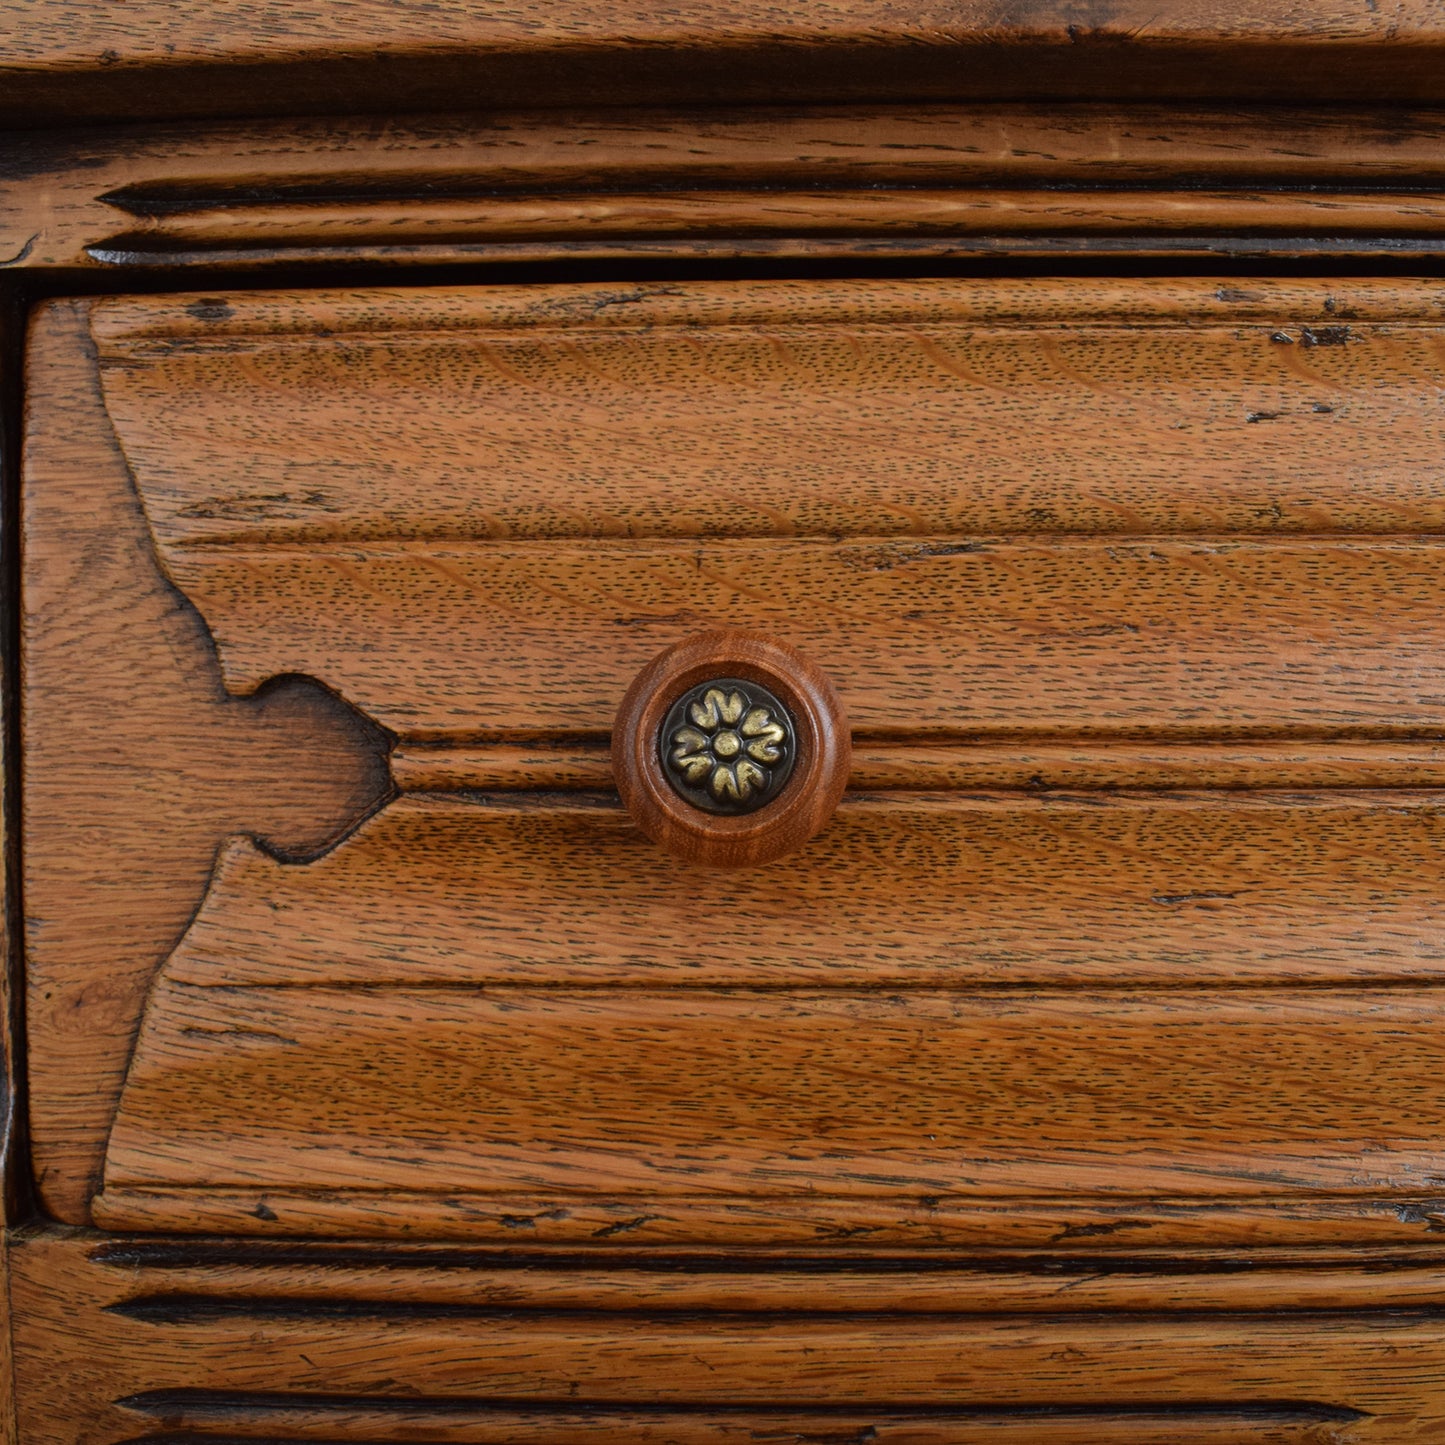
(1142, 578)
(1176, 1226)
(634, 466)
(660, 1096)
(15, 1194)
(60, 35)
(707, 1110)
(130, 1340)
(154, 1278)
(8, 1399)
(938, 639)
(781, 409)
(900, 891)
(137, 764)
(1038, 766)
(62, 60)
(451, 599)
(748, 181)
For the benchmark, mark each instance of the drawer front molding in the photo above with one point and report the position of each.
(1146, 709)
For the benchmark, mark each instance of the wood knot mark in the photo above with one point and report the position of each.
(1315, 336)
(210, 308)
(1325, 335)
(1086, 1231)
(624, 1226)
(529, 1221)
(1431, 1215)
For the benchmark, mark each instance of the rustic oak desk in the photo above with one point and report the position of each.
(723, 724)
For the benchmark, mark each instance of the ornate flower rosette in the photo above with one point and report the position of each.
(728, 745)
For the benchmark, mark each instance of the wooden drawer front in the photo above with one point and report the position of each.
(1133, 595)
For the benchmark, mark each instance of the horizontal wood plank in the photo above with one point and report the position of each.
(782, 409)
(924, 639)
(662, 1098)
(899, 891)
(256, 194)
(136, 1340)
(632, 465)
(723, 222)
(1106, 1226)
(159, 1279)
(63, 36)
(61, 62)
(1033, 765)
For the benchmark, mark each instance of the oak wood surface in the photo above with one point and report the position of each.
(1021, 1011)
(307, 997)
(130, 1339)
(1218, 637)
(445, 568)
(909, 180)
(1036, 765)
(1102, 1225)
(15, 1198)
(1079, 1082)
(926, 1099)
(632, 466)
(1190, 890)
(136, 763)
(8, 1397)
(780, 409)
(62, 60)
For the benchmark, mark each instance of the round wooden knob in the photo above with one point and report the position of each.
(730, 749)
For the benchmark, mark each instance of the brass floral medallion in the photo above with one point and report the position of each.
(728, 745)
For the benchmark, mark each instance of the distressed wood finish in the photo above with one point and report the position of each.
(612, 527)
(1104, 1226)
(780, 409)
(68, 60)
(1184, 617)
(1132, 890)
(923, 639)
(526, 1348)
(914, 180)
(769, 181)
(136, 764)
(1079, 1080)
(913, 1104)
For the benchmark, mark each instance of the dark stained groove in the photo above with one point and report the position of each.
(145, 250)
(145, 1254)
(584, 263)
(162, 197)
(1002, 54)
(17, 1200)
(184, 1309)
(221, 1404)
(891, 987)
